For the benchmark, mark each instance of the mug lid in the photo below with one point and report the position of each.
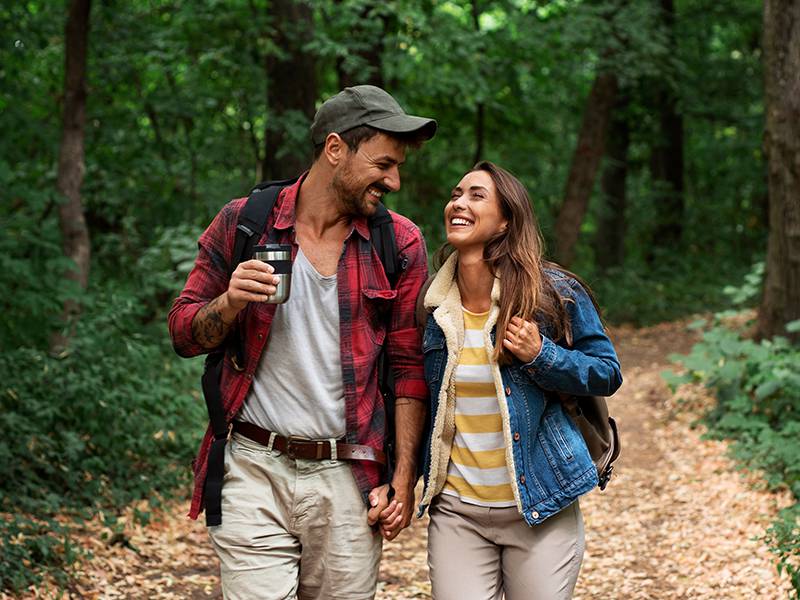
(273, 248)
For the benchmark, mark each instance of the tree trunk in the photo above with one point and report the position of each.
(71, 167)
(666, 160)
(588, 154)
(370, 38)
(781, 301)
(291, 88)
(612, 225)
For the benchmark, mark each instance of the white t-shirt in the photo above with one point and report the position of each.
(297, 388)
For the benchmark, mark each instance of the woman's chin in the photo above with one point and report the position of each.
(455, 239)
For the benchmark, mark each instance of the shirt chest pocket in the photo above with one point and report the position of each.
(377, 305)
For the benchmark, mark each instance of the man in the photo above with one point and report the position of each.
(294, 525)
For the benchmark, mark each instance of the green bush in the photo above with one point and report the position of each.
(32, 548)
(109, 422)
(113, 420)
(784, 541)
(673, 287)
(757, 386)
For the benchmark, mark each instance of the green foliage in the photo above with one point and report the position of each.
(32, 549)
(784, 541)
(669, 289)
(106, 424)
(113, 420)
(757, 386)
(177, 122)
(31, 261)
(747, 293)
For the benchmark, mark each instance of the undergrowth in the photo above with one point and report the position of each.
(757, 387)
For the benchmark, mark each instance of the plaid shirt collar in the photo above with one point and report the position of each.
(287, 216)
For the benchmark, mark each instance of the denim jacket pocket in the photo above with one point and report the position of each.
(556, 435)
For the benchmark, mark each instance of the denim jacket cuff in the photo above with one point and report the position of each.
(544, 361)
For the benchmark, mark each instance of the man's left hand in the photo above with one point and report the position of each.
(393, 521)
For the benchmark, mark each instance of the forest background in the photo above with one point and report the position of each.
(659, 140)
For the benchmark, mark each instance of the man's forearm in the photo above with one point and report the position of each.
(410, 417)
(212, 322)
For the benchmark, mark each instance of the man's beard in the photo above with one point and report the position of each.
(352, 196)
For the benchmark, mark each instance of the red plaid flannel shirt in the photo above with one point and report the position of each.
(364, 294)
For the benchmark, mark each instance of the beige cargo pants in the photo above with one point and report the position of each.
(479, 553)
(292, 528)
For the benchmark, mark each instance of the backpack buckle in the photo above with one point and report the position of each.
(235, 363)
(605, 477)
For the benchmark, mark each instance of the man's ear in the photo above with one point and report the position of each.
(335, 149)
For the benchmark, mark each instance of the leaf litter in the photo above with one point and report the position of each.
(679, 520)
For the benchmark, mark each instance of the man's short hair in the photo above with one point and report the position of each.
(358, 135)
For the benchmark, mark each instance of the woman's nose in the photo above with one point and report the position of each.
(459, 203)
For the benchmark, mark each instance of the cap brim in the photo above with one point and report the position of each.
(406, 124)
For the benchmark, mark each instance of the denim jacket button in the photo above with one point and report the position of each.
(508, 391)
(516, 436)
(534, 514)
(522, 479)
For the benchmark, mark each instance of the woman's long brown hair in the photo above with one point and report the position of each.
(515, 255)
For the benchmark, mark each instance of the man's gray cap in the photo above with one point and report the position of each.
(366, 105)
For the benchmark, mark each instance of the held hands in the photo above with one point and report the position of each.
(523, 339)
(392, 516)
(252, 281)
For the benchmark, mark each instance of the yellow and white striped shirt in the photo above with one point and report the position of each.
(477, 472)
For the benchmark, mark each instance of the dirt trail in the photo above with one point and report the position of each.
(676, 522)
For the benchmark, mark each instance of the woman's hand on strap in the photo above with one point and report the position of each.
(523, 339)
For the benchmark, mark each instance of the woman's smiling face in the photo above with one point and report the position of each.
(474, 215)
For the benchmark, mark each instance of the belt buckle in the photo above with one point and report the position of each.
(292, 442)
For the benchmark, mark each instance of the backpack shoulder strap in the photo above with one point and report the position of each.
(253, 218)
(250, 224)
(381, 227)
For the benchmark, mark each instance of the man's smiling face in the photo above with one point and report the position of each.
(368, 173)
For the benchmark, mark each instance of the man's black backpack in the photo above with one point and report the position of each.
(251, 224)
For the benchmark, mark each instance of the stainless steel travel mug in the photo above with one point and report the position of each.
(280, 257)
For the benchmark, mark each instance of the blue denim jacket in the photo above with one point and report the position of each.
(550, 464)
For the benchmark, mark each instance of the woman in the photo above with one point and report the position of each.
(504, 464)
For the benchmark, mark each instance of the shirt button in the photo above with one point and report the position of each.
(522, 478)
(534, 514)
(508, 391)
(516, 436)
(249, 375)
(261, 336)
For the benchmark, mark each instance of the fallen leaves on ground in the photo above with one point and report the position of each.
(677, 521)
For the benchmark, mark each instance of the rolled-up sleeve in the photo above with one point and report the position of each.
(207, 280)
(590, 367)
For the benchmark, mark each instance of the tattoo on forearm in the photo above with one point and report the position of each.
(208, 327)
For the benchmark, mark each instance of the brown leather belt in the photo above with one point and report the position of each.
(311, 449)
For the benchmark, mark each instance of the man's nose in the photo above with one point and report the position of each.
(392, 179)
